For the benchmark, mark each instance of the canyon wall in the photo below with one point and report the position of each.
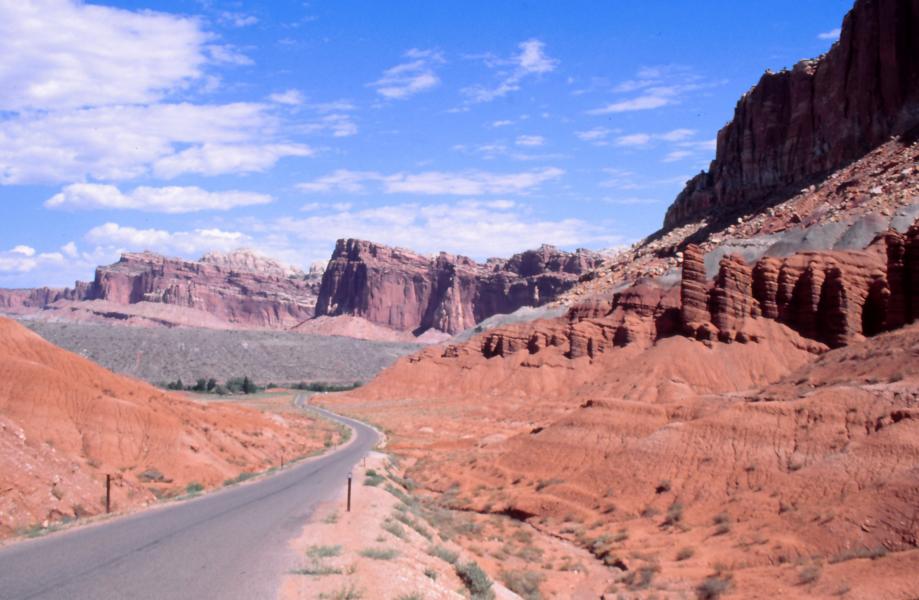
(828, 299)
(407, 291)
(238, 289)
(797, 125)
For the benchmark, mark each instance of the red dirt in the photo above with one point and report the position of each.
(67, 422)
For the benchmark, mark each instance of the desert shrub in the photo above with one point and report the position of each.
(348, 592)
(523, 583)
(662, 487)
(444, 554)
(151, 475)
(641, 577)
(394, 528)
(412, 596)
(674, 514)
(430, 573)
(323, 551)
(380, 553)
(712, 588)
(685, 553)
(194, 488)
(317, 569)
(809, 574)
(544, 483)
(871, 553)
(475, 580)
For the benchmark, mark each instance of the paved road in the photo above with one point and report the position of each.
(229, 544)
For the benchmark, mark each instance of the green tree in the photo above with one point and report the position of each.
(211, 384)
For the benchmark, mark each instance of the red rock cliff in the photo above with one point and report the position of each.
(240, 288)
(795, 125)
(410, 292)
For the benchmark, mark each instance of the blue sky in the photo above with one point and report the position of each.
(481, 128)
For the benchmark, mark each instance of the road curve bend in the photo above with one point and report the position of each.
(229, 544)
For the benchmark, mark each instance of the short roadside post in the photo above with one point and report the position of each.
(349, 491)
(108, 493)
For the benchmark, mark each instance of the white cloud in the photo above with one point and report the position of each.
(24, 259)
(341, 180)
(289, 97)
(653, 87)
(70, 249)
(171, 200)
(596, 135)
(124, 142)
(648, 102)
(634, 139)
(473, 228)
(184, 243)
(677, 155)
(502, 123)
(530, 140)
(644, 139)
(409, 78)
(436, 183)
(531, 60)
(215, 159)
(833, 34)
(66, 54)
(238, 19)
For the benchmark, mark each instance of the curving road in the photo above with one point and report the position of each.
(228, 544)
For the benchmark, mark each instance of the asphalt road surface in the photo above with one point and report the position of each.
(229, 544)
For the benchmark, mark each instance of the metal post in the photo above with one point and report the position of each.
(108, 493)
(349, 492)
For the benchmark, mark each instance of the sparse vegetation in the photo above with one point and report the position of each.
(239, 478)
(194, 488)
(523, 583)
(663, 487)
(685, 553)
(394, 528)
(444, 554)
(348, 592)
(674, 514)
(318, 386)
(809, 574)
(871, 553)
(712, 588)
(475, 580)
(323, 551)
(380, 553)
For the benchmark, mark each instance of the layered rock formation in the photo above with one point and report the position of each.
(240, 289)
(407, 291)
(801, 124)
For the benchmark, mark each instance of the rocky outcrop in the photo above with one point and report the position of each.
(240, 289)
(404, 290)
(799, 125)
(832, 297)
(828, 299)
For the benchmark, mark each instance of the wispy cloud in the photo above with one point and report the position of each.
(172, 200)
(435, 183)
(646, 139)
(288, 97)
(531, 60)
(530, 140)
(409, 78)
(652, 88)
(833, 34)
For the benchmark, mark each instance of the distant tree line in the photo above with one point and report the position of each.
(234, 385)
(318, 386)
(244, 385)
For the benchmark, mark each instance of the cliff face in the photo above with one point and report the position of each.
(410, 292)
(795, 125)
(830, 299)
(238, 289)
